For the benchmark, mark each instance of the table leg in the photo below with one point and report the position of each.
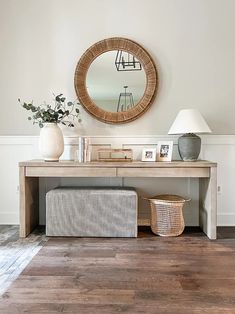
(208, 204)
(29, 203)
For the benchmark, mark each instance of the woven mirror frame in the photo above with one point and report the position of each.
(147, 63)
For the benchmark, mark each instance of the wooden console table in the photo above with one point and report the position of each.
(31, 171)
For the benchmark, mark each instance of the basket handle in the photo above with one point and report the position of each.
(166, 201)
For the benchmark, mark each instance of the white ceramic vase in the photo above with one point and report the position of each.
(51, 142)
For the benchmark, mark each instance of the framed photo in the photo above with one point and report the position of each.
(149, 154)
(164, 151)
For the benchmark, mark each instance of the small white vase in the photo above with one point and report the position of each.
(51, 142)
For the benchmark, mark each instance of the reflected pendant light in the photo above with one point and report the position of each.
(126, 62)
(125, 101)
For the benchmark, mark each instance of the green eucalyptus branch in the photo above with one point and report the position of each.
(59, 113)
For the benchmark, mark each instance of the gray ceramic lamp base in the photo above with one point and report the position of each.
(189, 146)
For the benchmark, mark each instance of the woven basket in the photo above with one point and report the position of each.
(166, 215)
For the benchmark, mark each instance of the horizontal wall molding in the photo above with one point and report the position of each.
(24, 140)
(18, 140)
(206, 139)
(218, 139)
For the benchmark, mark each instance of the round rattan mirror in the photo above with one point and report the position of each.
(116, 80)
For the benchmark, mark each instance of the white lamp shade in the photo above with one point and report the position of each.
(189, 121)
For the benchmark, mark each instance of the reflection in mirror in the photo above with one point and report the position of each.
(116, 90)
(125, 61)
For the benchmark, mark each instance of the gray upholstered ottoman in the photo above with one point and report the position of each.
(91, 212)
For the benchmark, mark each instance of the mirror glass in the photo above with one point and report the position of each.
(116, 81)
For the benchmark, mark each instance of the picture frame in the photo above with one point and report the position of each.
(164, 150)
(149, 154)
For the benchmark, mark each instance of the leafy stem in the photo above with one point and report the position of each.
(60, 112)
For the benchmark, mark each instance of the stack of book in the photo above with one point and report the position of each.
(84, 149)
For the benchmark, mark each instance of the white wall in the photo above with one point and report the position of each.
(191, 41)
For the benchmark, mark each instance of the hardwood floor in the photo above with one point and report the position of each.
(150, 274)
(16, 253)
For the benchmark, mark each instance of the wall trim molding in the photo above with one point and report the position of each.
(10, 138)
(218, 139)
(206, 139)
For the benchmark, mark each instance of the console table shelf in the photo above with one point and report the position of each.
(31, 171)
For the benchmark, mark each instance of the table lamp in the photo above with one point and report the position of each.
(188, 122)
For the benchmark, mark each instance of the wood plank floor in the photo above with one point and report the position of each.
(186, 274)
(16, 253)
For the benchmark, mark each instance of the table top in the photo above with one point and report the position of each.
(122, 164)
